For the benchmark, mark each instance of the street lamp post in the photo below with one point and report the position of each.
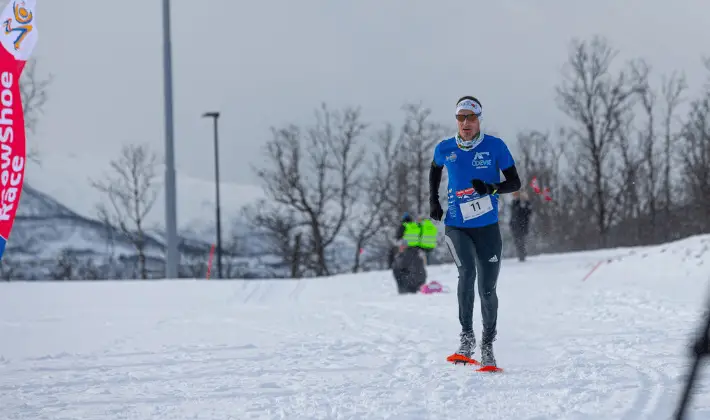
(215, 117)
(172, 256)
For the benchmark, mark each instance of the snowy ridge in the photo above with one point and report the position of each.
(67, 178)
(613, 346)
(57, 214)
(39, 205)
(44, 227)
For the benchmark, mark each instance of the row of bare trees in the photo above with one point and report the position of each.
(336, 190)
(332, 197)
(129, 189)
(631, 167)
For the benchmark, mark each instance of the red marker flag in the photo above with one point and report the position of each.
(535, 185)
(546, 194)
(18, 36)
(209, 262)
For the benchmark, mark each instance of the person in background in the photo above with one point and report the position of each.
(406, 218)
(521, 210)
(408, 268)
(427, 238)
(409, 228)
(410, 231)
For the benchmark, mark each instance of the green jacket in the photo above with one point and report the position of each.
(427, 239)
(412, 232)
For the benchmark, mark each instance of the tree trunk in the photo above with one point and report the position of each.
(296, 256)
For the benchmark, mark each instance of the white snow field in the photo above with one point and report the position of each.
(613, 346)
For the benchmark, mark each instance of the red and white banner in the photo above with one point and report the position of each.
(18, 36)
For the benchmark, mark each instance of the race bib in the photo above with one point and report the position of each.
(476, 208)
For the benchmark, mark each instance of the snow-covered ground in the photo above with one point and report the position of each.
(613, 346)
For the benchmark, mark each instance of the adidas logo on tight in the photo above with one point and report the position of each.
(493, 259)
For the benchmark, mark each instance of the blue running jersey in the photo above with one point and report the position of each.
(485, 161)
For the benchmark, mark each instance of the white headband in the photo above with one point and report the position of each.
(470, 105)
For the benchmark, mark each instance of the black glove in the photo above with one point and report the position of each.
(482, 188)
(435, 210)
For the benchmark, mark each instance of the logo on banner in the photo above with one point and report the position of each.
(22, 26)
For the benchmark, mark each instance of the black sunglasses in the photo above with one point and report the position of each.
(464, 117)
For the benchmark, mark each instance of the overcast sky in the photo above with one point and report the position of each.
(264, 63)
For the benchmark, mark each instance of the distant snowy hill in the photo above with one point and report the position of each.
(57, 226)
(46, 231)
(67, 178)
(57, 215)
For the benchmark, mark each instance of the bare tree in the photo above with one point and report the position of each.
(643, 174)
(193, 266)
(401, 199)
(630, 162)
(673, 88)
(420, 135)
(554, 222)
(630, 175)
(315, 176)
(653, 157)
(375, 195)
(131, 191)
(34, 92)
(695, 157)
(66, 265)
(540, 157)
(9, 269)
(278, 229)
(88, 270)
(599, 103)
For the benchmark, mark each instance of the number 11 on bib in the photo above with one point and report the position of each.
(476, 208)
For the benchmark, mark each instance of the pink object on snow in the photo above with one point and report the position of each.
(432, 287)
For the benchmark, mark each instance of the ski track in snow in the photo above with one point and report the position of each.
(611, 347)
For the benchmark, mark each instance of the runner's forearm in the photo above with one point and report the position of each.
(434, 180)
(512, 181)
